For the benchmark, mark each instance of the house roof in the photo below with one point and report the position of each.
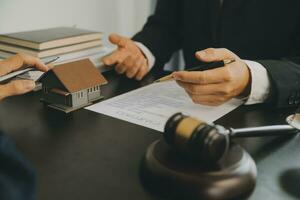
(78, 75)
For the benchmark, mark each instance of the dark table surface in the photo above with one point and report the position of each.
(85, 155)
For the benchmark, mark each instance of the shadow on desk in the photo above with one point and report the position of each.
(290, 181)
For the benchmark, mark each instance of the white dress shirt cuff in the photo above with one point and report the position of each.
(261, 84)
(150, 57)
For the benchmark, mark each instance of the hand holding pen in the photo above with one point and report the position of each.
(214, 87)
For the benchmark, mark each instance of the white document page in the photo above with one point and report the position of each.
(153, 105)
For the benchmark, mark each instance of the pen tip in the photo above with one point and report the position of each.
(228, 61)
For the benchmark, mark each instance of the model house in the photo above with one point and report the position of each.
(71, 86)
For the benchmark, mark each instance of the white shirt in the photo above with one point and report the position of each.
(260, 85)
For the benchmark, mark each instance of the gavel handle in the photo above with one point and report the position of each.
(277, 130)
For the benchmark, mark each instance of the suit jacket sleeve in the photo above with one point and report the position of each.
(284, 74)
(161, 33)
(285, 78)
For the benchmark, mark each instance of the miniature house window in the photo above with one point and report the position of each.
(70, 101)
(45, 90)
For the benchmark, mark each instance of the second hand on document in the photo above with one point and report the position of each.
(212, 65)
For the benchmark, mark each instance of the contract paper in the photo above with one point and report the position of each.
(153, 105)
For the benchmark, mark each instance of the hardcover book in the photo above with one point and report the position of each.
(50, 38)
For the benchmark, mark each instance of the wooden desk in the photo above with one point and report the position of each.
(85, 155)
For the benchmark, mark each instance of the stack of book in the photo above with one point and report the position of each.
(66, 42)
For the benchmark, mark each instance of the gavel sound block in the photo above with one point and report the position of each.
(168, 174)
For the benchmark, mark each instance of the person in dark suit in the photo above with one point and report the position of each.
(17, 176)
(263, 37)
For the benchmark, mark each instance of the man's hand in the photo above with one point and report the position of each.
(19, 86)
(128, 58)
(215, 87)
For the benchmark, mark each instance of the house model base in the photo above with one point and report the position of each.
(71, 86)
(68, 109)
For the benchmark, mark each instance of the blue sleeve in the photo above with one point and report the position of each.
(17, 177)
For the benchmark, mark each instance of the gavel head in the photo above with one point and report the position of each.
(196, 139)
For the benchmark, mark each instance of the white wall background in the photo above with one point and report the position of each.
(125, 17)
(121, 16)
